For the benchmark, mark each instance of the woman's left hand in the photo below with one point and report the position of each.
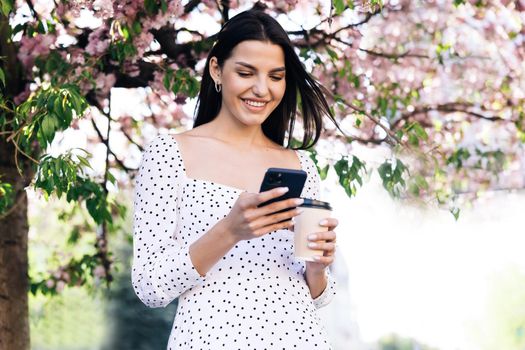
(323, 241)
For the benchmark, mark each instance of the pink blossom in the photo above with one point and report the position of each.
(50, 283)
(131, 69)
(142, 42)
(21, 97)
(104, 82)
(103, 8)
(284, 5)
(99, 271)
(44, 8)
(30, 48)
(60, 286)
(75, 124)
(175, 9)
(97, 43)
(76, 56)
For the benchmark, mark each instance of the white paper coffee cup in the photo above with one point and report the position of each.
(307, 223)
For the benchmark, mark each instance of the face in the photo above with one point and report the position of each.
(253, 81)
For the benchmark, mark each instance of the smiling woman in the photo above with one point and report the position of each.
(199, 233)
(253, 85)
(255, 47)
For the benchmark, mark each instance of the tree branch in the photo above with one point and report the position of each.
(224, 7)
(106, 143)
(32, 9)
(191, 5)
(448, 108)
(131, 140)
(391, 136)
(393, 56)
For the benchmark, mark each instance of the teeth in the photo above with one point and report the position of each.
(254, 103)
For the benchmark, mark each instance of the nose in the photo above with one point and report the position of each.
(260, 87)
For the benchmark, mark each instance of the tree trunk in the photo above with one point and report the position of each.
(14, 279)
(14, 318)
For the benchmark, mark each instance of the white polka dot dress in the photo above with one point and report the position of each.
(255, 297)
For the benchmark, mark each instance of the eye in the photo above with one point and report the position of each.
(244, 74)
(276, 78)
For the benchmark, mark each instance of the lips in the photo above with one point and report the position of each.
(254, 106)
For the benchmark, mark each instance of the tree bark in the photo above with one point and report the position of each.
(14, 227)
(14, 279)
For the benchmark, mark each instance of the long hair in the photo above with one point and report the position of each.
(254, 24)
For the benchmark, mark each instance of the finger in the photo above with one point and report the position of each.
(325, 260)
(277, 206)
(329, 222)
(326, 246)
(267, 229)
(271, 219)
(267, 195)
(322, 236)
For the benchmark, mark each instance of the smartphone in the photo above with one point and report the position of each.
(282, 177)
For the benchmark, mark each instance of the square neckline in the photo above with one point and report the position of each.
(175, 142)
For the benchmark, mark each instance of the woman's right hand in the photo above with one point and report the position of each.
(245, 221)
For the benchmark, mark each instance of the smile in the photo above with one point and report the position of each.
(254, 103)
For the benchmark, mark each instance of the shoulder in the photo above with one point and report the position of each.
(161, 147)
(308, 163)
(159, 141)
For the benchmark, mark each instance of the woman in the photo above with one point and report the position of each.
(198, 234)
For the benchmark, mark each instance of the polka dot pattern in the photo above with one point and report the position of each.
(256, 296)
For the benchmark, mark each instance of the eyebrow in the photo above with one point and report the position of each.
(280, 69)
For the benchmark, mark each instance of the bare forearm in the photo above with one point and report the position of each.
(316, 281)
(210, 248)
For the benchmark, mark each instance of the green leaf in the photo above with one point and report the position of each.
(150, 6)
(73, 236)
(6, 6)
(332, 53)
(420, 132)
(324, 172)
(350, 176)
(110, 177)
(2, 77)
(392, 177)
(137, 28)
(455, 212)
(48, 126)
(339, 6)
(6, 196)
(457, 158)
(84, 161)
(383, 104)
(163, 6)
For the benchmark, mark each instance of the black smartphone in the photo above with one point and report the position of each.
(282, 177)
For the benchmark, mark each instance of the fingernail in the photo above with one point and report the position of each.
(312, 245)
(312, 237)
(299, 201)
(323, 222)
(317, 257)
(283, 189)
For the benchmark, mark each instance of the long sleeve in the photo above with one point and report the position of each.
(313, 184)
(162, 269)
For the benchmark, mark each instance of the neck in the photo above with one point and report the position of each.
(235, 133)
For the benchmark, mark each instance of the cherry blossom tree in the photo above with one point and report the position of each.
(437, 86)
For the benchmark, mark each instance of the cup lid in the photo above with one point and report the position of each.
(313, 203)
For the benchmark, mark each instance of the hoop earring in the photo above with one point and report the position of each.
(218, 87)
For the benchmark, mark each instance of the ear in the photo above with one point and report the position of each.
(215, 69)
